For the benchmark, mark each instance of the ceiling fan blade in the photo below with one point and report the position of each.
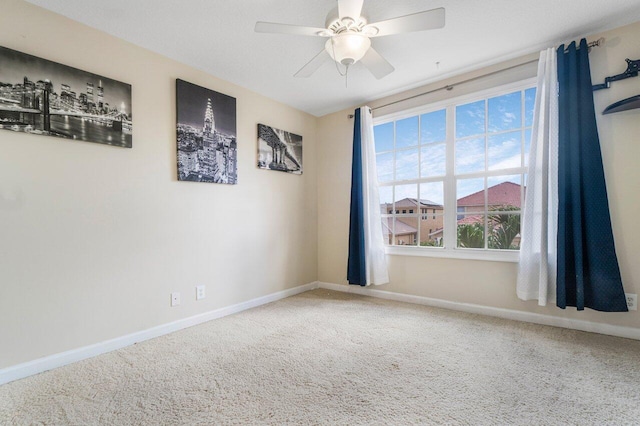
(350, 9)
(375, 63)
(313, 65)
(427, 20)
(272, 27)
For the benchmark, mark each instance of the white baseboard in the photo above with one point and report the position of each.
(40, 365)
(612, 330)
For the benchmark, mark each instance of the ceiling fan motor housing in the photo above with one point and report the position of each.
(337, 25)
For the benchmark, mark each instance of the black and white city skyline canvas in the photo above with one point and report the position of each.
(47, 98)
(279, 150)
(206, 132)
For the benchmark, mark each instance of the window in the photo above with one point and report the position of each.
(464, 161)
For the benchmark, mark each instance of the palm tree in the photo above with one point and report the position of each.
(505, 227)
(471, 235)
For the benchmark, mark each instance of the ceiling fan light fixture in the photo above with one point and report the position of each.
(347, 48)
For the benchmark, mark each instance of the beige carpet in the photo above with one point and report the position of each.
(331, 358)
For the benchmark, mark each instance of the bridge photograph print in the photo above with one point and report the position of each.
(47, 98)
(207, 149)
(279, 150)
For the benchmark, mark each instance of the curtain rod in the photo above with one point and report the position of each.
(598, 42)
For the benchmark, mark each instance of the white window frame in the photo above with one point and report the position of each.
(450, 249)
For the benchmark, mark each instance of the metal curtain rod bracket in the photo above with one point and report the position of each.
(631, 71)
(353, 115)
(595, 43)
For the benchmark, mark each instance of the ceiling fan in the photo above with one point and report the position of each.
(349, 35)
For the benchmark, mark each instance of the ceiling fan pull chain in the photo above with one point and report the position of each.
(335, 62)
(346, 78)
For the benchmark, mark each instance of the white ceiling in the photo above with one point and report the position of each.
(217, 36)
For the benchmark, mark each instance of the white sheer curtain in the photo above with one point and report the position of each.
(376, 259)
(538, 253)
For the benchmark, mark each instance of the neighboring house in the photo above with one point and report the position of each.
(406, 228)
(405, 234)
(431, 214)
(505, 194)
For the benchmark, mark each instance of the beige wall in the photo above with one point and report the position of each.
(93, 238)
(480, 282)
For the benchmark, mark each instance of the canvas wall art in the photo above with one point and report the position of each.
(207, 149)
(279, 150)
(47, 98)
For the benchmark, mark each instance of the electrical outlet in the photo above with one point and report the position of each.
(200, 292)
(632, 301)
(175, 299)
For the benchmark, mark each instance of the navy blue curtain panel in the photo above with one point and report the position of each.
(356, 267)
(588, 274)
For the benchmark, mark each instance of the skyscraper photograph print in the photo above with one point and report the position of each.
(279, 150)
(47, 98)
(206, 132)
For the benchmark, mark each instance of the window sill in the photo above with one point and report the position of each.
(468, 254)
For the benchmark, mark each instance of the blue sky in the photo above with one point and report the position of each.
(502, 143)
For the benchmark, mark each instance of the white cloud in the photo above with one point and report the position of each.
(384, 165)
(407, 164)
(433, 160)
(406, 191)
(470, 155)
(507, 163)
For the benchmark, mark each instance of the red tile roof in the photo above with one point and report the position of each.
(505, 193)
(467, 220)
